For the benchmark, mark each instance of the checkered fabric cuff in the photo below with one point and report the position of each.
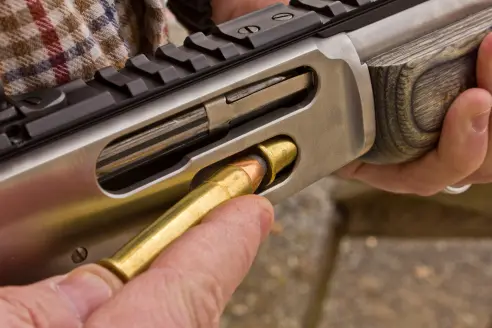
(44, 43)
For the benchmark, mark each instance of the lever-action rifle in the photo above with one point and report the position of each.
(87, 165)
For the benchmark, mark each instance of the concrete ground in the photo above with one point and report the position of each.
(379, 281)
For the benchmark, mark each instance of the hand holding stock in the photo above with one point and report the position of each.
(462, 155)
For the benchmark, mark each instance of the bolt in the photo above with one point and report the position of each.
(79, 255)
(282, 16)
(248, 29)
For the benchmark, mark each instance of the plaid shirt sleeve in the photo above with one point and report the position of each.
(44, 43)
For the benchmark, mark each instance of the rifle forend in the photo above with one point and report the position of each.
(88, 164)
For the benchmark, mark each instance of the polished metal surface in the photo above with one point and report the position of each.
(152, 141)
(249, 90)
(410, 24)
(221, 110)
(50, 199)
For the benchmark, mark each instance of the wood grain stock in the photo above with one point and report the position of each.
(415, 84)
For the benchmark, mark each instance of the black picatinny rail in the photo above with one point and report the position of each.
(32, 119)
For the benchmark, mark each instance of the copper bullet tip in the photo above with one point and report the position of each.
(255, 167)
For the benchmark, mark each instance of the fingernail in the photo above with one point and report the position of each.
(481, 122)
(85, 291)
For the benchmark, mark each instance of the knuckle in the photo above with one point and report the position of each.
(207, 301)
(461, 171)
(200, 295)
(16, 314)
(37, 306)
(245, 254)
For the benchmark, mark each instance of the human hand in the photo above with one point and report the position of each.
(225, 10)
(188, 285)
(463, 155)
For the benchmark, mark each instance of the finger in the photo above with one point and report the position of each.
(484, 64)
(59, 302)
(484, 78)
(461, 151)
(190, 283)
(225, 10)
(484, 173)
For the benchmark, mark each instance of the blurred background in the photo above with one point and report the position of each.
(405, 262)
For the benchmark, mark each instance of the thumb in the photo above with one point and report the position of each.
(59, 302)
(190, 283)
(461, 151)
(484, 79)
(484, 64)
